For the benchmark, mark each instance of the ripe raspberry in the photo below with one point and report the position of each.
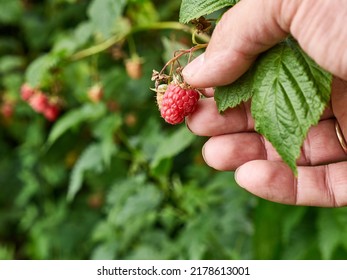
(39, 102)
(51, 112)
(7, 109)
(178, 102)
(26, 92)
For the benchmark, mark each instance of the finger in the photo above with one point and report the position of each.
(207, 121)
(208, 92)
(339, 101)
(323, 186)
(238, 38)
(227, 152)
(251, 27)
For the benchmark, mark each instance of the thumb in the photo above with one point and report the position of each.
(246, 30)
(253, 26)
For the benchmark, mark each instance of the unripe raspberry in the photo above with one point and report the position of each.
(160, 94)
(26, 92)
(95, 93)
(133, 67)
(178, 102)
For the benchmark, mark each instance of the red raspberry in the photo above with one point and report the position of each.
(26, 92)
(39, 102)
(178, 102)
(51, 112)
(7, 109)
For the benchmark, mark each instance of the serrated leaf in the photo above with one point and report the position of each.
(173, 145)
(88, 112)
(232, 95)
(90, 159)
(321, 78)
(287, 100)
(191, 9)
(104, 14)
(39, 68)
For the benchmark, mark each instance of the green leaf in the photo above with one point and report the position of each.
(321, 78)
(191, 9)
(267, 235)
(10, 62)
(287, 100)
(83, 33)
(105, 131)
(88, 112)
(104, 14)
(290, 92)
(291, 220)
(90, 159)
(10, 11)
(38, 69)
(329, 233)
(232, 95)
(173, 145)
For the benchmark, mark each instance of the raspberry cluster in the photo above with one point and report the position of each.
(177, 102)
(40, 102)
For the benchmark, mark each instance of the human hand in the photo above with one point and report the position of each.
(253, 27)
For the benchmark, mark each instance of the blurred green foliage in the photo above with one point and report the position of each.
(109, 179)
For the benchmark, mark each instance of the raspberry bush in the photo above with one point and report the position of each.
(86, 156)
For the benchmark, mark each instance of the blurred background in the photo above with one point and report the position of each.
(89, 170)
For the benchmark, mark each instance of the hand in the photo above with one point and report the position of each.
(252, 27)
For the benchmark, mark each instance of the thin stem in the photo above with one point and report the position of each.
(182, 52)
(132, 46)
(119, 37)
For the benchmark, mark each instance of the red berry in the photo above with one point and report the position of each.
(178, 102)
(39, 102)
(7, 109)
(51, 112)
(26, 92)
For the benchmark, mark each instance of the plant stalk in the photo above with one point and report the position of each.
(119, 37)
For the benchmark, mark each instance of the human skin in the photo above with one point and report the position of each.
(253, 26)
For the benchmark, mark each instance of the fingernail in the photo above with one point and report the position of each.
(203, 153)
(236, 177)
(193, 68)
(185, 120)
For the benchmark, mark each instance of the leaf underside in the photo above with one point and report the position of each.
(289, 93)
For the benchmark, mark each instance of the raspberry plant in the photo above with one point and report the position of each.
(107, 170)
